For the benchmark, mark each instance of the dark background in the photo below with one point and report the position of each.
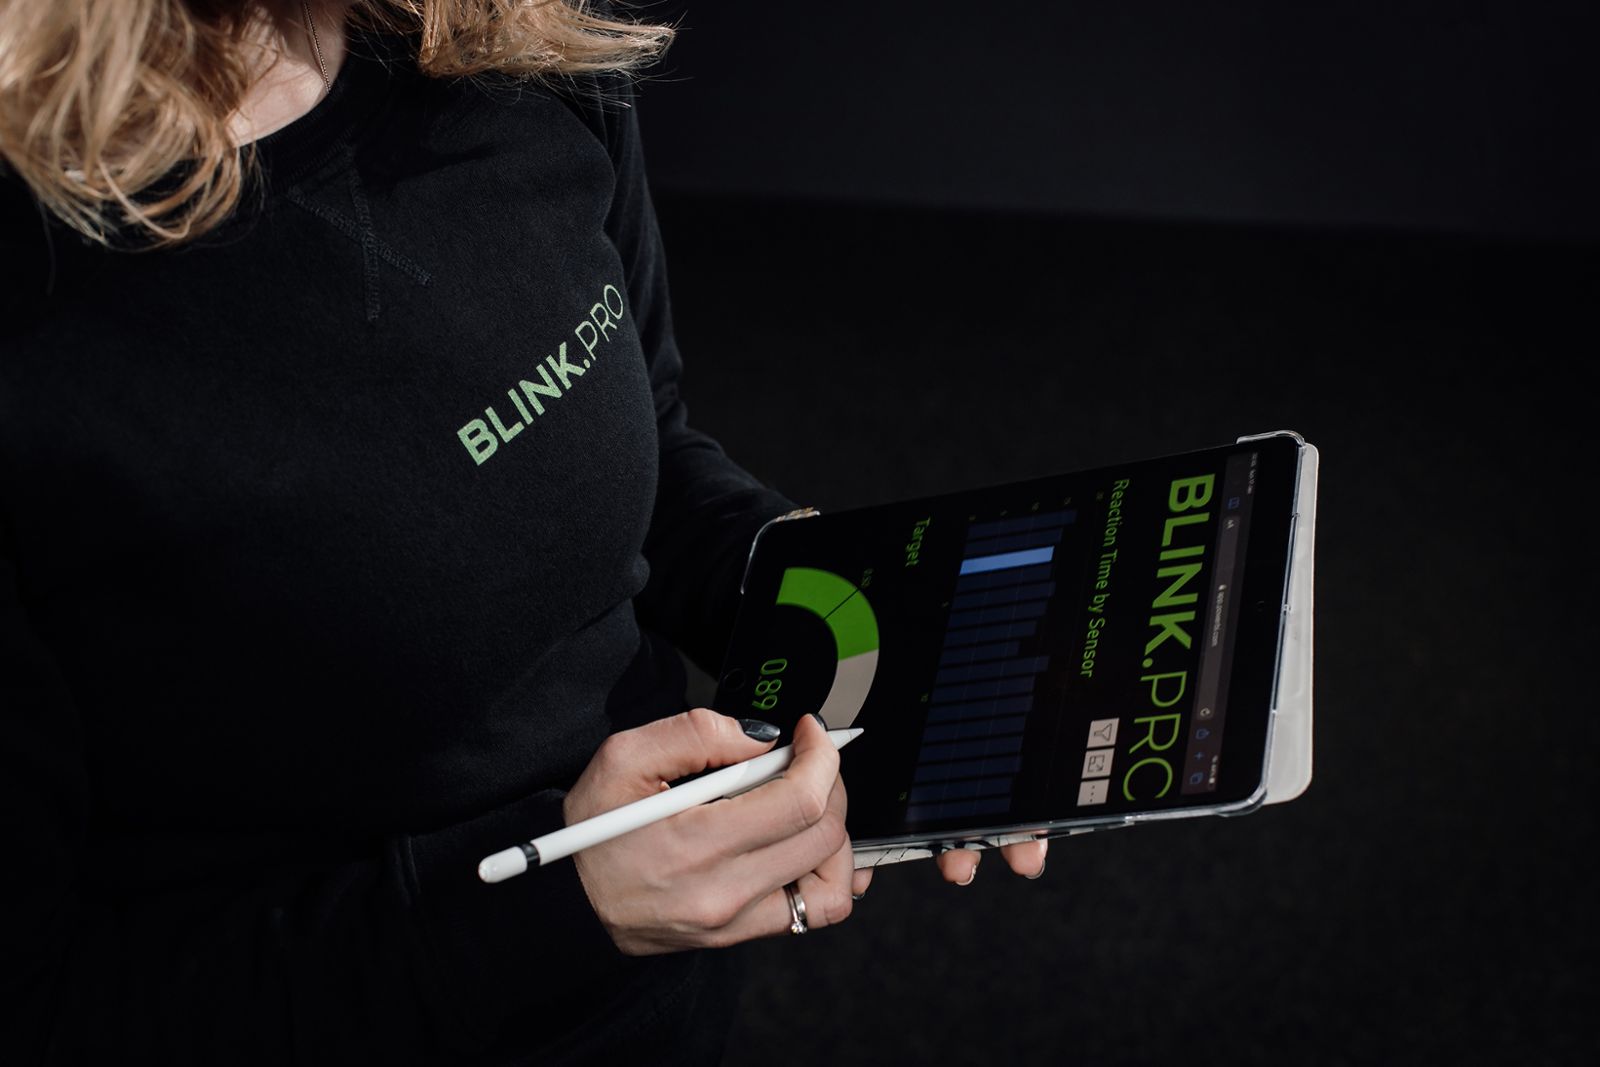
(917, 247)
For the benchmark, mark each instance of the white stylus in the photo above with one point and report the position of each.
(726, 782)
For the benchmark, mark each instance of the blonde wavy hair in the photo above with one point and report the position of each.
(115, 113)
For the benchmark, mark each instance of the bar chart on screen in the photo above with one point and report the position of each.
(988, 668)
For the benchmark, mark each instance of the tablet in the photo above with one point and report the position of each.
(1044, 657)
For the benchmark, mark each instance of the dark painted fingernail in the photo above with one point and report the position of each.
(820, 720)
(1040, 872)
(761, 731)
(857, 896)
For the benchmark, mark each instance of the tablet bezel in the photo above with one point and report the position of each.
(1263, 623)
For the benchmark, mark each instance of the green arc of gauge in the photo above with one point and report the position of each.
(849, 617)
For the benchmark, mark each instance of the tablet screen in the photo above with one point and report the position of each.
(1078, 646)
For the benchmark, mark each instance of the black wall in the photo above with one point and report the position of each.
(1430, 899)
(914, 248)
(1472, 117)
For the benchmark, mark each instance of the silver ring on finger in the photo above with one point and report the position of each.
(797, 908)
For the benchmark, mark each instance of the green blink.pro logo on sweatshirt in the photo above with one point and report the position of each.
(557, 376)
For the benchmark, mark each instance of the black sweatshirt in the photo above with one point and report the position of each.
(331, 547)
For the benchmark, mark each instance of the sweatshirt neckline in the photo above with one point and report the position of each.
(288, 153)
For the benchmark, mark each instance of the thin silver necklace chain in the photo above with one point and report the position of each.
(316, 45)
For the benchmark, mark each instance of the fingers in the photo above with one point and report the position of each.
(634, 763)
(828, 895)
(825, 880)
(829, 890)
(823, 847)
(1026, 857)
(783, 810)
(815, 769)
(713, 875)
(959, 866)
(834, 881)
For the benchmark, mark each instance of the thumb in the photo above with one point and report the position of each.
(816, 757)
(811, 733)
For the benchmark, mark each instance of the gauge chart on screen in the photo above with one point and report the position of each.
(847, 614)
(819, 651)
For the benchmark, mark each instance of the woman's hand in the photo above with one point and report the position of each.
(714, 875)
(1026, 858)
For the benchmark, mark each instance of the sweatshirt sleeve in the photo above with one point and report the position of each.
(387, 951)
(708, 508)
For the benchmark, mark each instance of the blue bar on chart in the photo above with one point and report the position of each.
(990, 579)
(983, 691)
(1006, 560)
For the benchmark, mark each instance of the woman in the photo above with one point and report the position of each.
(349, 522)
